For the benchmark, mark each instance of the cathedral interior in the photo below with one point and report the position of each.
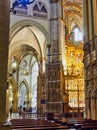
(48, 57)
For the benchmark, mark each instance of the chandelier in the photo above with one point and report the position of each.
(14, 64)
(23, 67)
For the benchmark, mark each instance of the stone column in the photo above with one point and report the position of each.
(15, 101)
(96, 108)
(90, 10)
(95, 16)
(88, 103)
(93, 108)
(85, 20)
(54, 66)
(4, 43)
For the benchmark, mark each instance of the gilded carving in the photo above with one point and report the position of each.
(94, 70)
(88, 72)
(88, 93)
(94, 93)
(93, 55)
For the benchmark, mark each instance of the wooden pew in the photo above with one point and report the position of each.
(45, 128)
(85, 123)
(79, 126)
(89, 127)
(35, 124)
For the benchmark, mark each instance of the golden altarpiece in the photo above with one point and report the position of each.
(74, 76)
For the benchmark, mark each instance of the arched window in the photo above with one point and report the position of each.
(77, 34)
(22, 94)
(43, 9)
(36, 8)
(40, 10)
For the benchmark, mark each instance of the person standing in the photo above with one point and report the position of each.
(10, 112)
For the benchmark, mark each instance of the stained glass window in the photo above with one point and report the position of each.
(77, 34)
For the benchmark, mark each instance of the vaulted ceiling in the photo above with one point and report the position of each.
(72, 13)
(32, 36)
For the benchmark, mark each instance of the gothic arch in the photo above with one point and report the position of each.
(26, 84)
(27, 91)
(45, 38)
(29, 53)
(39, 6)
(18, 26)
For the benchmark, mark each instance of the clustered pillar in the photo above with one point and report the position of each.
(4, 43)
(90, 57)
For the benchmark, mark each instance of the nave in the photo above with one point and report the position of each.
(46, 64)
